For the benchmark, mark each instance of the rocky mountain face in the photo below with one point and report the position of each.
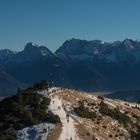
(32, 64)
(105, 51)
(31, 52)
(103, 65)
(86, 65)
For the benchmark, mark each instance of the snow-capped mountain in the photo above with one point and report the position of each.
(31, 52)
(86, 65)
(106, 51)
(77, 49)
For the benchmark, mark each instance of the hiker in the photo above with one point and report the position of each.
(59, 107)
(43, 125)
(67, 120)
(67, 116)
(48, 128)
(45, 130)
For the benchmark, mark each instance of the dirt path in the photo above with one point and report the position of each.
(68, 127)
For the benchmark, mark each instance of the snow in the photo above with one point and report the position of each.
(123, 103)
(33, 44)
(92, 97)
(68, 130)
(110, 104)
(114, 122)
(35, 132)
(52, 89)
(44, 53)
(40, 131)
(134, 105)
(128, 43)
(46, 91)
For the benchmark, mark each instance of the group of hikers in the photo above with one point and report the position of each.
(67, 115)
(69, 139)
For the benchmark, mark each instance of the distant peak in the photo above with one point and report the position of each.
(128, 43)
(127, 40)
(34, 50)
(31, 45)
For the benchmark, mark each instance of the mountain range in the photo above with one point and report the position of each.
(81, 64)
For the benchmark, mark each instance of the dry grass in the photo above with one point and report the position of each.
(101, 128)
(54, 135)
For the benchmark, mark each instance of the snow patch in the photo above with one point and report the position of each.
(35, 132)
(92, 97)
(110, 104)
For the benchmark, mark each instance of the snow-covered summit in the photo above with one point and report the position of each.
(105, 51)
(34, 48)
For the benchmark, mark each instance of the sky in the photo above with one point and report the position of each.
(51, 22)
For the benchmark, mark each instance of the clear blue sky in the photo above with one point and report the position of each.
(51, 22)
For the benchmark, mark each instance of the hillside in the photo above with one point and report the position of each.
(83, 116)
(24, 109)
(97, 117)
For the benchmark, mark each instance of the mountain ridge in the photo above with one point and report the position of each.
(80, 64)
(78, 46)
(44, 111)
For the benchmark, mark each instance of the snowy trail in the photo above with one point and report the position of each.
(68, 130)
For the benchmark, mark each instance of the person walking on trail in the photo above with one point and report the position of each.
(67, 116)
(43, 125)
(59, 107)
(67, 120)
